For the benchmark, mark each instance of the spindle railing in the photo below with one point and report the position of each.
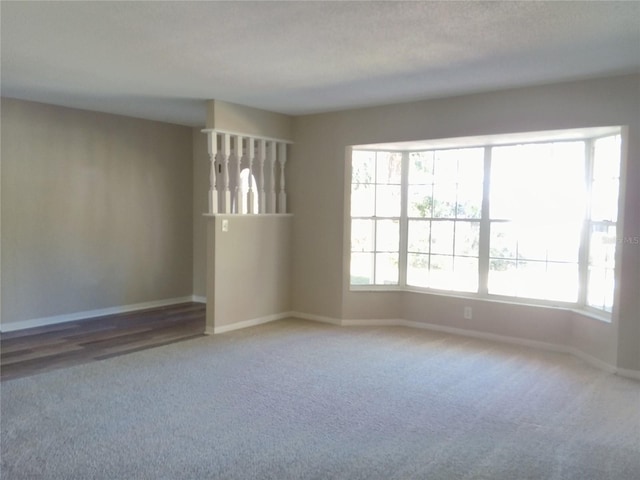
(234, 152)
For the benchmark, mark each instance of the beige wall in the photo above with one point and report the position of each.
(101, 211)
(95, 211)
(231, 117)
(249, 269)
(201, 171)
(321, 245)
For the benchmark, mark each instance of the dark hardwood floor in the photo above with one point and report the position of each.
(35, 350)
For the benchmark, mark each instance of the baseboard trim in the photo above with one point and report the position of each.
(198, 299)
(317, 318)
(374, 322)
(552, 347)
(398, 322)
(591, 360)
(248, 323)
(89, 314)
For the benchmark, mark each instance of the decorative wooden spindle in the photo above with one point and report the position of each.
(282, 159)
(262, 206)
(272, 181)
(225, 152)
(239, 197)
(250, 192)
(212, 146)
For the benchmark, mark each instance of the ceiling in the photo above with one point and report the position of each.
(163, 60)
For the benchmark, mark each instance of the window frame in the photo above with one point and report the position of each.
(586, 135)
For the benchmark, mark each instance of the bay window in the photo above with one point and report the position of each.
(527, 217)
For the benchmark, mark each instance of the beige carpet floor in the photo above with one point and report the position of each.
(300, 400)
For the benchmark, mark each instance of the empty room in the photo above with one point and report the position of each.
(320, 240)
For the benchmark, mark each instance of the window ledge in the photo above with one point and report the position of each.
(602, 317)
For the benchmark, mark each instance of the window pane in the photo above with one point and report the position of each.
(388, 167)
(465, 278)
(500, 197)
(604, 200)
(418, 270)
(531, 280)
(467, 238)
(362, 235)
(388, 236)
(562, 282)
(362, 200)
(502, 277)
(514, 181)
(609, 281)
(604, 207)
(444, 200)
(564, 192)
(361, 268)
(421, 168)
(532, 241)
(442, 237)
(386, 268)
(469, 200)
(537, 181)
(441, 274)
(601, 288)
(362, 167)
(471, 166)
(564, 243)
(445, 166)
(606, 161)
(418, 240)
(420, 201)
(602, 246)
(388, 201)
(503, 240)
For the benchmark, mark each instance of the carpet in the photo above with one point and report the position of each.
(300, 400)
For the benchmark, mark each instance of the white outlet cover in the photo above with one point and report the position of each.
(225, 225)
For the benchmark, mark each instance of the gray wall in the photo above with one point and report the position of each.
(321, 244)
(95, 211)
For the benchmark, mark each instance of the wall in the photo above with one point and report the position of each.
(234, 118)
(248, 270)
(321, 244)
(201, 170)
(94, 211)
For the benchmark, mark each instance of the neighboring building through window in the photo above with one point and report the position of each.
(531, 216)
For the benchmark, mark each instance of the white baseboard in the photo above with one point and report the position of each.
(71, 317)
(316, 318)
(374, 322)
(248, 323)
(398, 322)
(591, 360)
(198, 299)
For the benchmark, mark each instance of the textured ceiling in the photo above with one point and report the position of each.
(162, 60)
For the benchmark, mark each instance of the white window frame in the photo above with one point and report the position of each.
(587, 135)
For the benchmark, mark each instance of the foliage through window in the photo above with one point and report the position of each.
(529, 219)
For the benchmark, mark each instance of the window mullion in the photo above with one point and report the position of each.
(485, 225)
(404, 224)
(583, 252)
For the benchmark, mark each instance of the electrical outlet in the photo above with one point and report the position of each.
(467, 313)
(225, 225)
